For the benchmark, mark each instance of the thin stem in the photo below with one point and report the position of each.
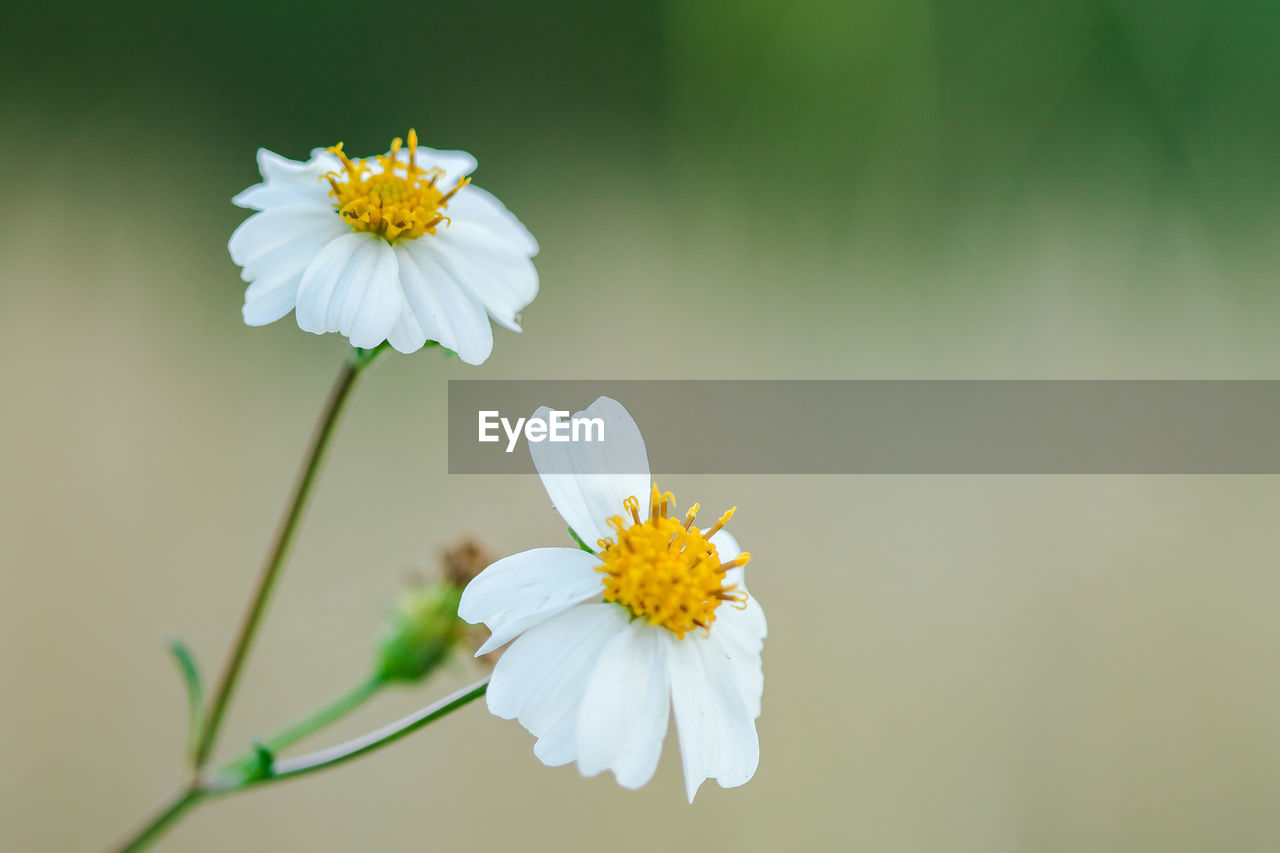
(323, 759)
(233, 781)
(312, 722)
(356, 361)
(169, 812)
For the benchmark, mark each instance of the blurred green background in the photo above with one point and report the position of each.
(810, 190)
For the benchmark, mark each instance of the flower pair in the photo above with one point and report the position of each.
(652, 614)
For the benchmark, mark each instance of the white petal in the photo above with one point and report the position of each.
(269, 243)
(373, 305)
(285, 182)
(727, 546)
(338, 267)
(717, 730)
(502, 295)
(541, 678)
(505, 280)
(507, 249)
(474, 206)
(323, 160)
(738, 633)
(352, 288)
(288, 261)
(275, 247)
(269, 300)
(740, 629)
(281, 170)
(446, 312)
(589, 480)
(559, 745)
(524, 589)
(626, 705)
(748, 619)
(406, 336)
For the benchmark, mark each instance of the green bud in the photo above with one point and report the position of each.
(420, 632)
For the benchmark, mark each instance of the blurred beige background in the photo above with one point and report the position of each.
(954, 663)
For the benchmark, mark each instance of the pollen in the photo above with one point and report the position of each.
(387, 196)
(667, 571)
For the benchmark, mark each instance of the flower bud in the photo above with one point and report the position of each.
(423, 626)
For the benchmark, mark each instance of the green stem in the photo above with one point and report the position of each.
(170, 811)
(312, 722)
(356, 362)
(233, 781)
(290, 768)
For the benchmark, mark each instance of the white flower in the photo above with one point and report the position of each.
(607, 643)
(394, 248)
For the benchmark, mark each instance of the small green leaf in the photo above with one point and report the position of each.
(581, 544)
(195, 693)
(264, 761)
(444, 350)
(362, 358)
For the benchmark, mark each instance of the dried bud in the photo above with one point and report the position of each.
(464, 561)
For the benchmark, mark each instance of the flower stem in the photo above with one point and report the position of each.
(357, 361)
(309, 724)
(323, 759)
(233, 781)
(172, 809)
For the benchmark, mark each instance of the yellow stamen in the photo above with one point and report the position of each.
(665, 571)
(724, 519)
(384, 196)
(633, 506)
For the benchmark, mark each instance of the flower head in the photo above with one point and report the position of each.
(399, 247)
(609, 640)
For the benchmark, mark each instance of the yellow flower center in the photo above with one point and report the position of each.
(390, 198)
(667, 572)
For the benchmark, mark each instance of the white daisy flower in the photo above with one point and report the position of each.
(607, 641)
(397, 248)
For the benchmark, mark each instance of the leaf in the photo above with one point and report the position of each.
(361, 357)
(581, 544)
(264, 761)
(195, 693)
